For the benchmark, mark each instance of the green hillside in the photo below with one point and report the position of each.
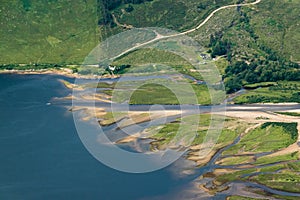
(54, 31)
(274, 24)
(271, 23)
(173, 14)
(259, 42)
(280, 28)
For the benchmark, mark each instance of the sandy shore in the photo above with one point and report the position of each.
(255, 117)
(62, 71)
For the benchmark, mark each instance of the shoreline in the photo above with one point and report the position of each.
(66, 72)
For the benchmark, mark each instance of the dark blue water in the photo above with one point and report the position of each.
(41, 156)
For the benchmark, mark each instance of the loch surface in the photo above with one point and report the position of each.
(42, 156)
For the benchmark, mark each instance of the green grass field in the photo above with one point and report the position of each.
(165, 92)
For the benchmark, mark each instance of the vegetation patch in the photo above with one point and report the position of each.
(235, 160)
(281, 92)
(259, 85)
(111, 118)
(289, 113)
(229, 177)
(271, 159)
(269, 137)
(290, 128)
(170, 132)
(285, 180)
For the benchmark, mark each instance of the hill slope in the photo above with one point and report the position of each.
(55, 31)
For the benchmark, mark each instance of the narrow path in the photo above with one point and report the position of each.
(121, 25)
(159, 37)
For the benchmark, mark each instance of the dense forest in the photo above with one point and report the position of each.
(264, 67)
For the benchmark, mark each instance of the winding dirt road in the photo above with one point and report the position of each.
(160, 37)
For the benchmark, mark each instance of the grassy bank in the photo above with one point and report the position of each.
(270, 136)
(285, 91)
(163, 91)
(289, 114)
